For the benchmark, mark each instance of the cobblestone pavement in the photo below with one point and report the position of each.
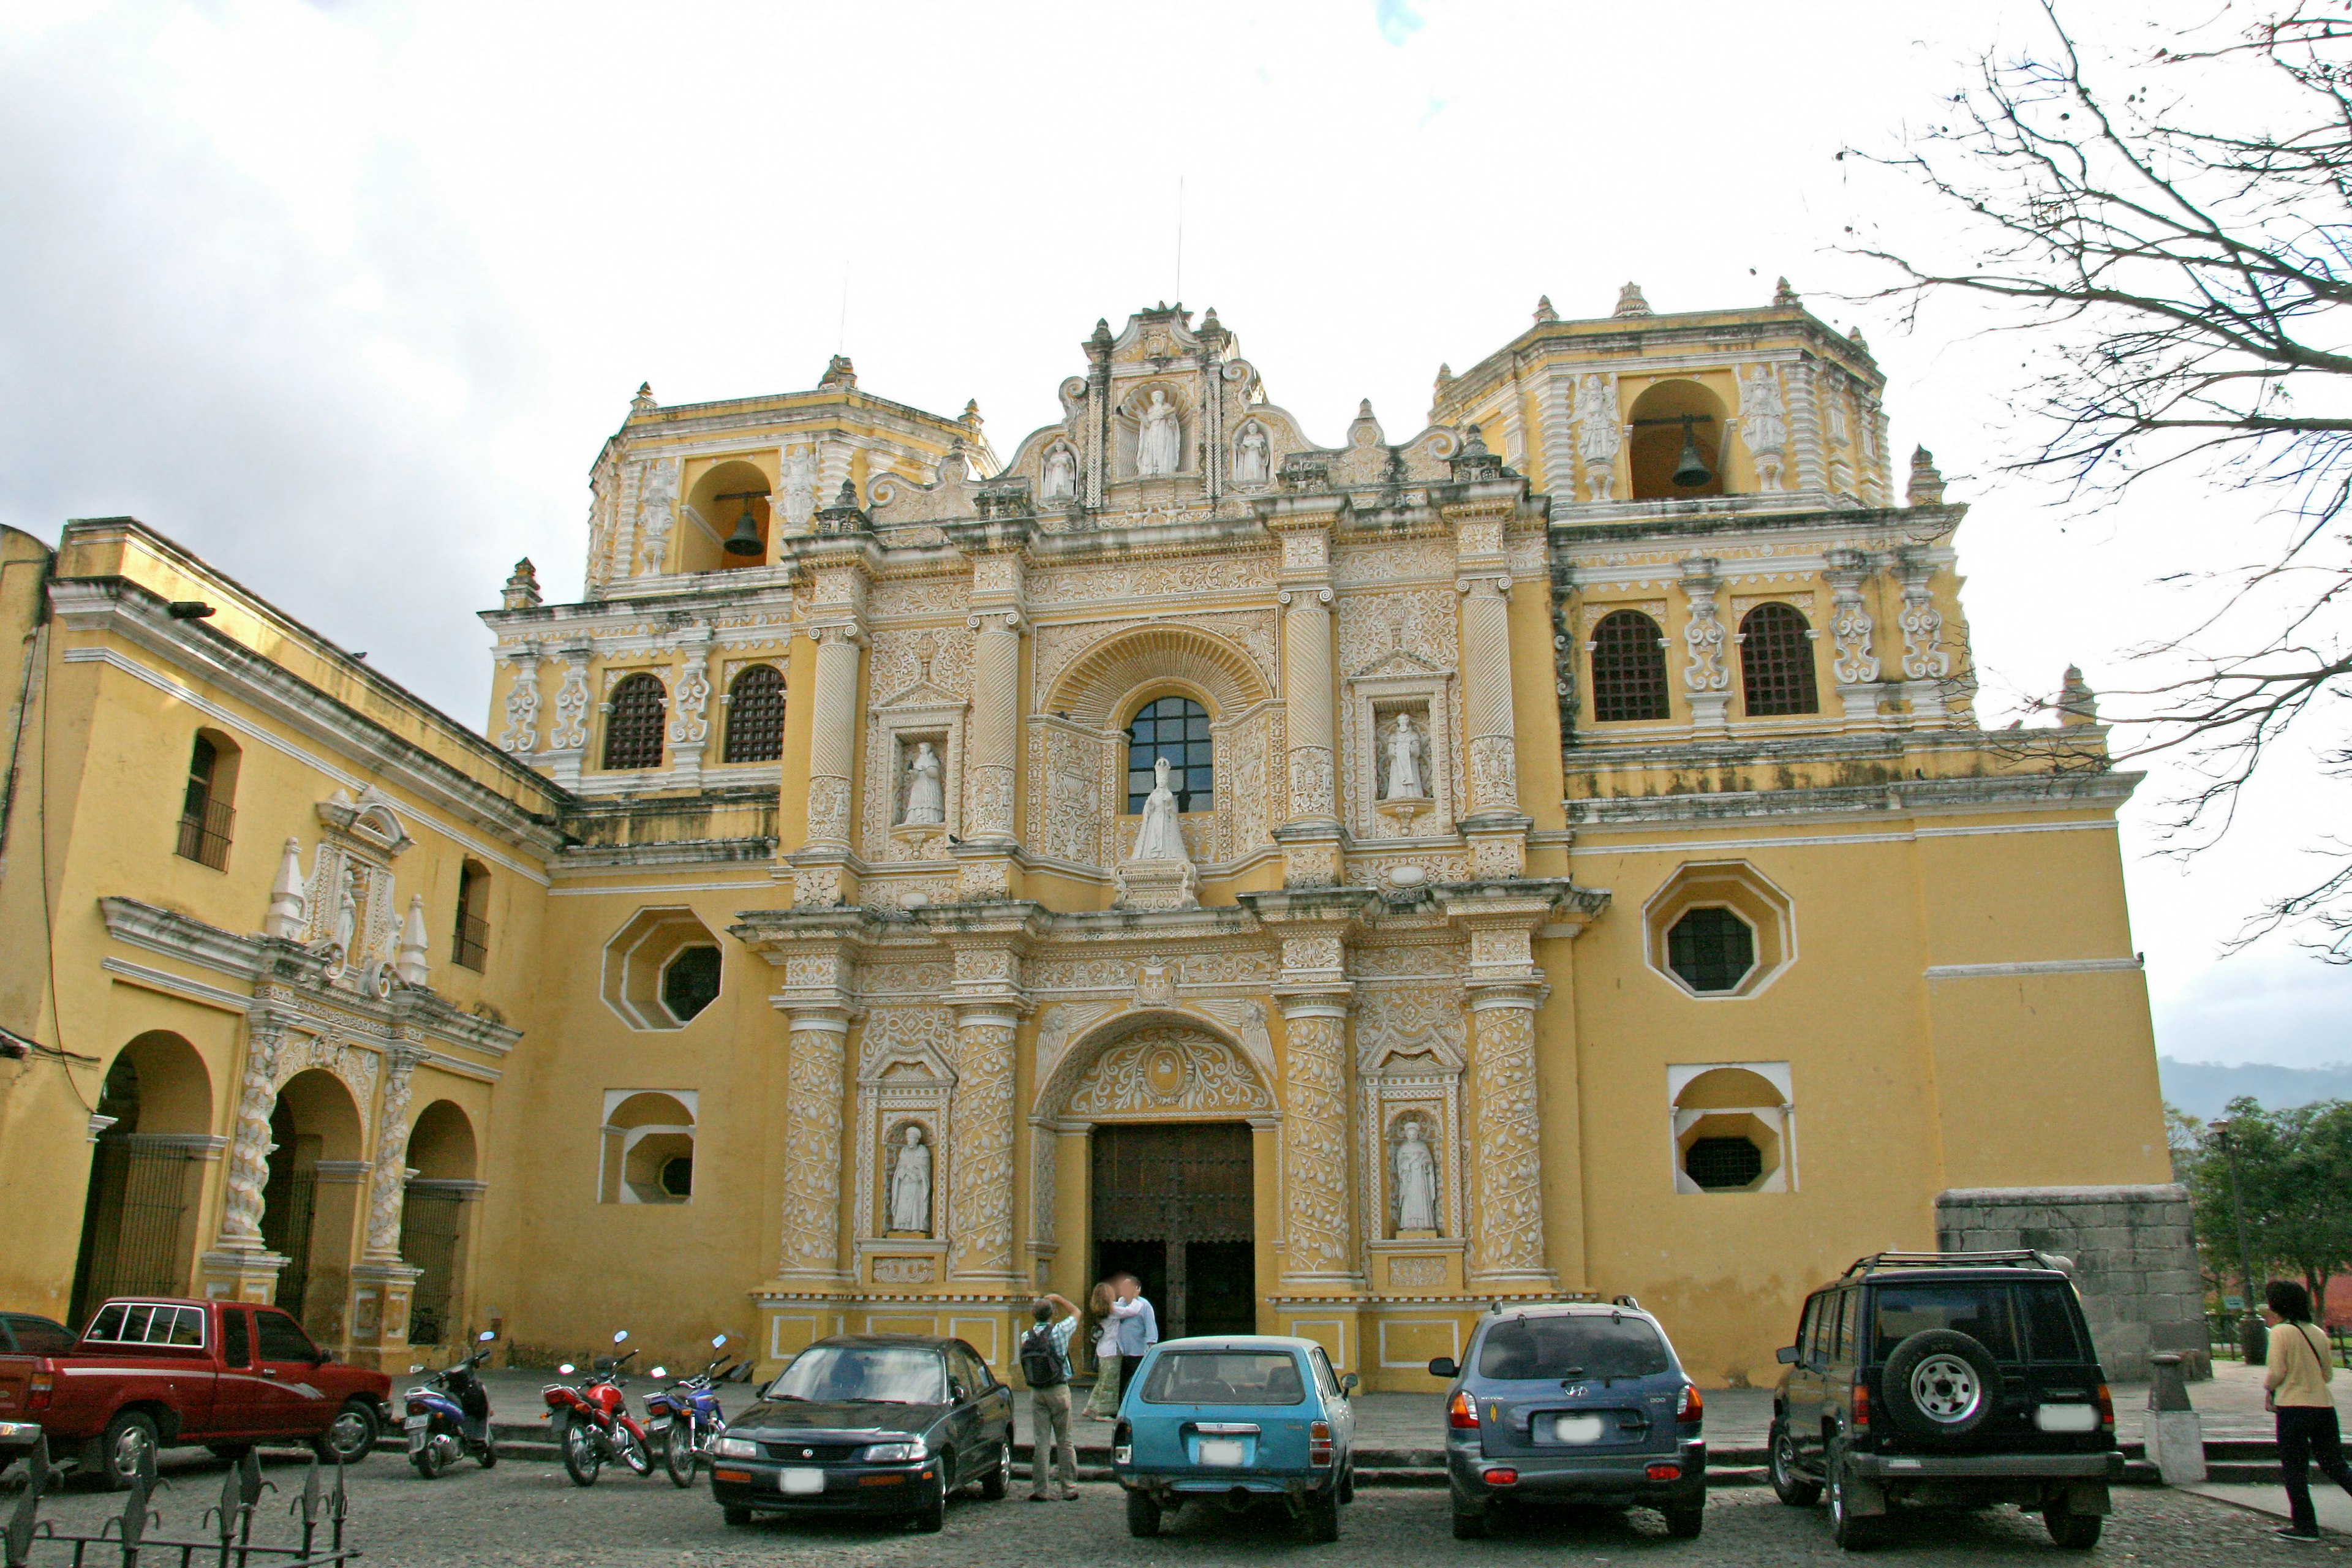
(526, 1513)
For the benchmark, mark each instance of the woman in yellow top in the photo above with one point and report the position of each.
(2300, 1371)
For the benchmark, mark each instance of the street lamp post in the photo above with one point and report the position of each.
(2254, 1339)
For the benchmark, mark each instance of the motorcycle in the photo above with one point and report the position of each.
(684, 1420)
(449, 1415)
(594, 1424)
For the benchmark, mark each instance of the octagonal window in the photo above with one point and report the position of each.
(1711, 948)
(690, 982)
(1723, 1165)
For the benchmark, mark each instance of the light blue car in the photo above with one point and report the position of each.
(1240, 1418)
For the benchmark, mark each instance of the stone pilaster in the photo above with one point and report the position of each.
(813, 1089)
(1805, 426)
(997, 549)
(567, 742)
(520, 737)
(1852, 629)
(1925, 663)
(248, 1151)
(689, 708)
(1310, 834)
(1318, 1240)
(1706, 672)
(1507, 1134)
(837, 562)
(980, 1194)
(392, 1172)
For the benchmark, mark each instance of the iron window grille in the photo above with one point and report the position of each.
(471, 946)
(1176, 728)
(1712, 948)
(1776, 662)
(1629, 668)
(1723, 1165)
(205, 821)
(633, 730)
(755, 716)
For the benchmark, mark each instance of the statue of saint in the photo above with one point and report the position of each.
(1763, 412)
(910, 1185)
(1162, 837)
(1251, 457)
(799, 488)
(347, 916)
(1404, 749)
(1598, 435)
(1416, 1181)
(1160, 443)
(1061, 474)
(926, 799)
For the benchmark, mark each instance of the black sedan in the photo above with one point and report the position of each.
(869, 1424)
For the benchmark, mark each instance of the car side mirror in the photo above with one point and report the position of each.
(1348, 1380)
(486, 1336)
(414, 1367)
(1788, 1356)
(1443, 1367)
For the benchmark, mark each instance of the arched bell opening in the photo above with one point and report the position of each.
(312, 1200)
(1676, 452)
(434, 1220)
(726, 520)
(146, 1173)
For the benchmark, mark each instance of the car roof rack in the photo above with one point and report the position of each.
(2011, 1257)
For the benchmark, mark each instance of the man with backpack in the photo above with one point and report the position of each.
(1046, 1367)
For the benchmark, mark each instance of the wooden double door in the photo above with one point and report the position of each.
(1172, 1203)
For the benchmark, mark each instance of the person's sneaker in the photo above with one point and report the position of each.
(2292, 1534)
(1070, 1496)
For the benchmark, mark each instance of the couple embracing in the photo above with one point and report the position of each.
(1125, 1326)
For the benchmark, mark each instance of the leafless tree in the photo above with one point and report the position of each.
(2184, 272)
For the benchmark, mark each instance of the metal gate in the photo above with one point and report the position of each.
(289, 1203)
(1174, 1204)
(134, 1224)
(429, 1226)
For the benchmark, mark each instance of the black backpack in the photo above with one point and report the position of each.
(1040, 1367)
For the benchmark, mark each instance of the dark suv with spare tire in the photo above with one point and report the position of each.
(1945, 1380)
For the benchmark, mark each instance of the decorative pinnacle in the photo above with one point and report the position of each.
(1783, 297)
(1544, 312)
(1631, 303)
(642, 402)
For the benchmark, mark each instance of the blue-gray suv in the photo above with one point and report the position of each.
(1572, 1402)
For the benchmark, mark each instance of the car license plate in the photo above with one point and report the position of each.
(1577, 1428)
(2067, 1418)
(800, 1482)
(1223, 1451)
(417, 1423)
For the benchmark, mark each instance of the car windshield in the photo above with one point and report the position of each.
(1225, 1377)
(883, 1374)
(1980, 1312)
(1571, 1345)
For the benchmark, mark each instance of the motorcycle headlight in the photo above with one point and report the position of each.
(736, 1449)
(895, 1453)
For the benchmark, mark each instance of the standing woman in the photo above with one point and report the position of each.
(2297, 1382)
(1103, 1309)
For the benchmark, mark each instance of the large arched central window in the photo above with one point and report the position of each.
(1629, 668)
(1176, 728)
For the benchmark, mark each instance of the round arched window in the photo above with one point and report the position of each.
(1176, 728)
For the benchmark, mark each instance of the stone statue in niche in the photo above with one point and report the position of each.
(1407, 755)
(1160, 441)
(1598, 435)
(927, 798)
(1061, 474)
(1415, 1167)
(910, 1185)
(1251, 457)
(798, 489)
(347, 914)
(1764, 424)
(1162, 836)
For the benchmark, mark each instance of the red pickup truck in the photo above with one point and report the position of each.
(153, 1373)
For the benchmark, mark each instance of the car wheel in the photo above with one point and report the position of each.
(128, 1442)
(1854, 1532)
(1684, 1522)
(350, 1436)
(932, 1513)
(1142, 1514)
(735, 1516)
(1940, 1386)
(1348, 1484)
(2075, 1531)
(999, 1480)
(1319, 1516)
(1789, 1483)
(580, 1458)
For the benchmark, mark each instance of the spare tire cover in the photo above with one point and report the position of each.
(1940, 1386)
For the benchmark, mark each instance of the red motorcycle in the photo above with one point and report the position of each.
(592, 1424)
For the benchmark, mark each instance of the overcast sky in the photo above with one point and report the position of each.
(346, 297)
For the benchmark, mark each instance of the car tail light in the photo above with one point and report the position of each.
(1691, 1407)
(1122, 1443)
(37, 1392)
(1665, 1472)
(1861, 1407)
(1318, 1445)
(1503, 1476)
(1462, 1413)
(2106, 1409)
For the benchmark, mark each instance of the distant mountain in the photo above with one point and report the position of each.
(2204, 1089)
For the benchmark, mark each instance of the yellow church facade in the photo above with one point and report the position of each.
(1576, 868)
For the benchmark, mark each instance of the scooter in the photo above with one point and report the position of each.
(684, 1420)
(449, 1415)
(594, 1423)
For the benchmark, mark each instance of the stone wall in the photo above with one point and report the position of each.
(2135, 1261)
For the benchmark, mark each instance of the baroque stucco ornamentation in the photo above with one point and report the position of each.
(1508, 1240)
(1922, 623)
(390, 1176)
(1850, 623)
(522, 733)
(1168, 1069)
(1314, 1144)
(982, 1196)
(572, 698)
(249, 1154)
(813, 1151)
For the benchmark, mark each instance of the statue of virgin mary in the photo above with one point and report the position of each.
(1158, 440)
(1161, 836)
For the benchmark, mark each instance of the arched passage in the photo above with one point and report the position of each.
(146, 1173)
(1663, 417)
(714, 511)
(432, 1220)
(312, 1200)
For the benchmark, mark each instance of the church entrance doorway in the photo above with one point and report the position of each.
(1173, 1205)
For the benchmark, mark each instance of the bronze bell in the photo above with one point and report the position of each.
(1690, 470)
(745, 539)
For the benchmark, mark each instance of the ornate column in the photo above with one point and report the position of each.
(1485, 500)
(1319, 1245)
(1805, 426)
(689, 703)
(1925, 664)
(988, 1002)
(997, 549)
(567, 742)
(1707, 677)
(1851, 629)
(383, 1283)
(814, 1088)
(837, 562)
(240, 1266)
(522, 733)
(1310, 834)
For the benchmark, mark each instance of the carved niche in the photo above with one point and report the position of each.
(1410, 1057)
(905, 1079)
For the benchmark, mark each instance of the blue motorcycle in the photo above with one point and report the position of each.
(683, 1421)
(449, 1415)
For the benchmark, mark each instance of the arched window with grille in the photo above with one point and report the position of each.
(207, 803)
(1629, 668)
(755, 715)
(1776, 662)
(633, 729)
(471, 946)
(1176, 728)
